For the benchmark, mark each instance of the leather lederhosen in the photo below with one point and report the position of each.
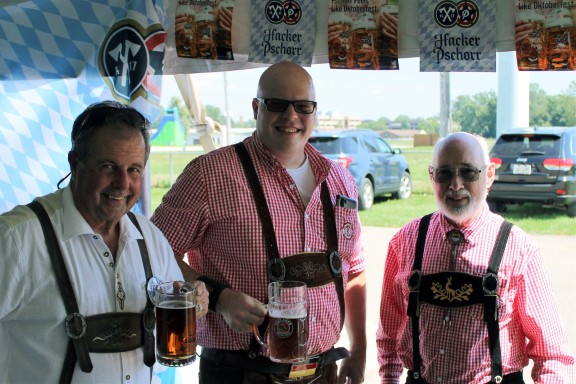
(436, 289)
(103, 333)
(313, 268)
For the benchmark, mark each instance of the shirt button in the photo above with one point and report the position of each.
(111, 264)
(127, 377)
(439, 380)
(306, 216)
(106, 254)
(95, 237)
(441, 351)
(308, 249)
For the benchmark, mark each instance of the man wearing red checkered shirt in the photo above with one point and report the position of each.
(465, 298)
(238, 240)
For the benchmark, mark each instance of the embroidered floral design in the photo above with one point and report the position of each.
(120, 295)
(115, 336)
(450, 294)
(308, 269)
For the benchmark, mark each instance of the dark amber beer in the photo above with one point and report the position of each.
(287, 338)
(176, 333)
(175, 307)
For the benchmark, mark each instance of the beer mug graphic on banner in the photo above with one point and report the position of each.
(287, 327)
(175, 307)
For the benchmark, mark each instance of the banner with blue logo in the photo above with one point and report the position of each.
(57, 58)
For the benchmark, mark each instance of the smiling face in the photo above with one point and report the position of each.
(285, 133)
(106, 184)
(462, 202)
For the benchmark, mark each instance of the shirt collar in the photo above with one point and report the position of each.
(320, 165)
(74, 224)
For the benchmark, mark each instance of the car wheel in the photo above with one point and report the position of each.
(365, 194)
(571, 210)
(405, 190)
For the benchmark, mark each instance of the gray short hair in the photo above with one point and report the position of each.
(103, 113)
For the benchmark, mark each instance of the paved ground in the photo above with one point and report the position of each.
(559, 257)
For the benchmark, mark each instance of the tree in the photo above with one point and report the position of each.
(476, 113)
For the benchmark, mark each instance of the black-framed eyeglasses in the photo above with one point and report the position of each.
(443, 175)
(304, 107)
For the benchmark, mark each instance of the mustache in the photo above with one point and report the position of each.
(458, 194)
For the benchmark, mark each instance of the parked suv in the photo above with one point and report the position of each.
(535, 165)
(377, 168)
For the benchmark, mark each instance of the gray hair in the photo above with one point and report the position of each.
(103, 113)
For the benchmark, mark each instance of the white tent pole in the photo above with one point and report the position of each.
(445, 115)
(513, 102)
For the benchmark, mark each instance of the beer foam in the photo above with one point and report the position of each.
(176, 304)
(560, 17)
(293, 313)
(366, 21)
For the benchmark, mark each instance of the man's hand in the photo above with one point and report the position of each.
(240, 311)
(352, 369)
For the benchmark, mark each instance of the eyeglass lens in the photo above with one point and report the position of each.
(280, 105)
(445, 175)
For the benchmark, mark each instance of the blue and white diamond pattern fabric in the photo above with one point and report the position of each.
(50, 71)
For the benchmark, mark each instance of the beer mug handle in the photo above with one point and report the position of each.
(257, 335)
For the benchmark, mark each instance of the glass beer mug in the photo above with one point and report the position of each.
(175, 308)
(287, 328)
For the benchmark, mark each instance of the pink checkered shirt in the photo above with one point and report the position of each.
(210, 211)
(457, 351)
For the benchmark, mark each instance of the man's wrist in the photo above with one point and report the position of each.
(214, 288)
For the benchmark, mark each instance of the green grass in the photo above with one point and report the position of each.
(387, 212)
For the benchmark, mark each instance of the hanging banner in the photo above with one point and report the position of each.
(282, 30)
(203, 29)
(457, 36)
(544, 34)
(363, 35)
(58, 57)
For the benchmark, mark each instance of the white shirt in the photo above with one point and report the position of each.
(32, 337)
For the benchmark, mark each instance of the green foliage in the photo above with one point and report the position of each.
(476, 113)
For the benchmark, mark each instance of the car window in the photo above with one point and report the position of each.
(334, 145)
(326, 145)
(383, 147)
(515, 145)
(371, 144)
(572, 145)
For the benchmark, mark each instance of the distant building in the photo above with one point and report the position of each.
(333, 120)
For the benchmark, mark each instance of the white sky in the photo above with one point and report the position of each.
(362, 94)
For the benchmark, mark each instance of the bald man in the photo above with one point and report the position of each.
(465, 298)
(272, 208)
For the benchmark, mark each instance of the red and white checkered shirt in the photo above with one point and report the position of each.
(211, 212)
(457, 351)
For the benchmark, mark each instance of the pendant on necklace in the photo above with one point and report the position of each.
(120, 295)
(455, 237)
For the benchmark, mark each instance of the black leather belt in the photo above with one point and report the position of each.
(240, 359)
(511, 378)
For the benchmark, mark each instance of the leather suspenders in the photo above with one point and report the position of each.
(76, 324)
(489, 299)
(280, 269)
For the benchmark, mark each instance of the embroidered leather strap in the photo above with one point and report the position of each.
(148, 317)
(77, 345)
(414, 298)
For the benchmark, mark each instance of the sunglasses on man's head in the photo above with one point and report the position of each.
(443, 175)
(305, 107)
